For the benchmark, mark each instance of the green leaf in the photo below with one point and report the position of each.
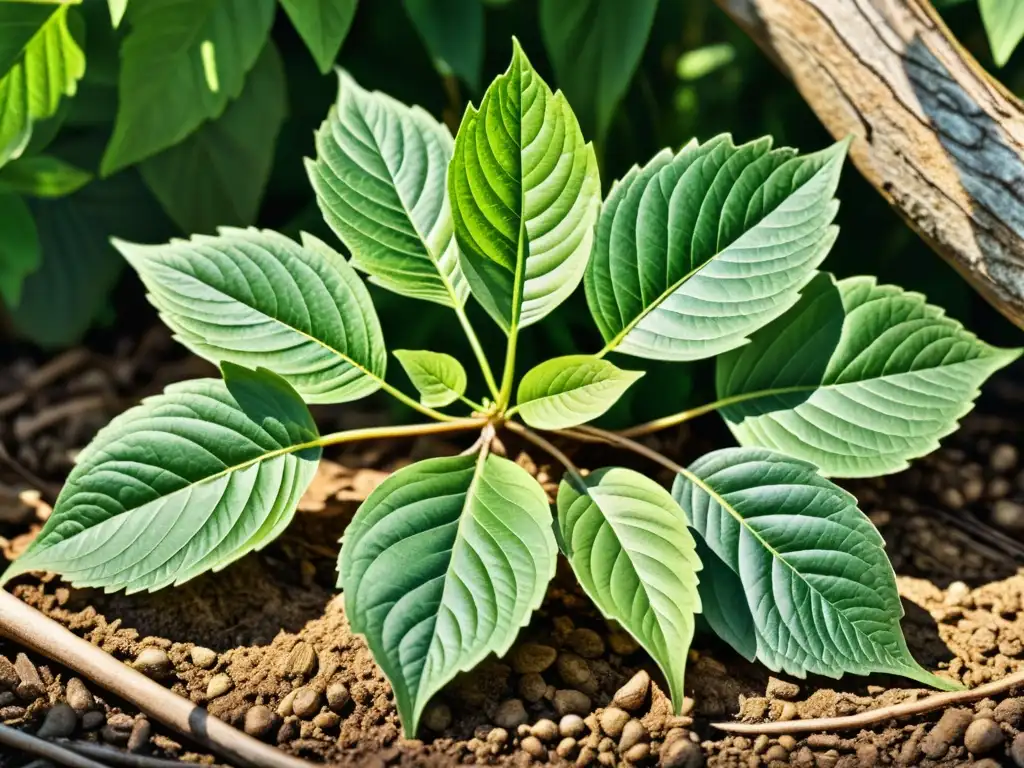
(255, 298)
(628, 544)
(697, 250)
(525, 190)
(724, 603)
(62, 299)
(439, 378)
(323, 26)
(595, 47)
(181, 63)
(117, 9)
(567, 391)
(187, 482)
(19, 22)
(42, 176)
(441, 566)
(19, 247)
(453, 32)
(857, 378)
(1004, 25)
(816, 580)
(47, 69)
(379, 178)
(217, 175)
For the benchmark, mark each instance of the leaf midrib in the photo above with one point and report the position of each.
(778, 556)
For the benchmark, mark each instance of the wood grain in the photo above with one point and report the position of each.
(938, 137)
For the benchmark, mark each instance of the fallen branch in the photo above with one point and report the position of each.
(28, 744)
(114, 756)
(30, 628)
(880, 715)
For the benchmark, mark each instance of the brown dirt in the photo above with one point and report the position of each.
(274, 625)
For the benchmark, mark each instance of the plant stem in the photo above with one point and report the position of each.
(678, 418)
(404, 430)
(547, 446)
(32, 629)
(33, 745)
(478, 350)
(414, 404)
(614, 438)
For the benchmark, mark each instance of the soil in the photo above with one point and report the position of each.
(265, 645)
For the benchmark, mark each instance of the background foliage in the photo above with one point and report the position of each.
(148, 119)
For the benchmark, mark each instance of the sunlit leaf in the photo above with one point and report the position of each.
(629, 546)
(439, 378)
(567, 391)
(857, 378)
(697, 250)
(1004, 25)
(42, 176)
(255, 298)
(187, 482)
(817, 583)
(441, 566)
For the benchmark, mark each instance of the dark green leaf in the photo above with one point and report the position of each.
(453, 32)
(19, 246)
(42, 176)
(323, 25)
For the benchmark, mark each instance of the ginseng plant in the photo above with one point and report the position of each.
(709, 251)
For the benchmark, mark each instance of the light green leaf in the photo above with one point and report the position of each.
(187, 482)
(567, 391)
(628, 544)
(19, 247)
(47, 69)
(181, 63)
(217, 175)
(379, 178)
(1004, 25)
(813, 569)
(62, 299)
(19, 22)
(858, 379)
(595, 47)
(453, 32)
(439, 378)
(255, 298)
(42, 176)
(117, 9)
(525, 190)
(697, 250)
(323, 26)
(700, 62)
(441, 566)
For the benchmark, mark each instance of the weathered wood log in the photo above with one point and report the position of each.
(938, 137)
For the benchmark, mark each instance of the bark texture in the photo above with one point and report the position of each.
(935, 134)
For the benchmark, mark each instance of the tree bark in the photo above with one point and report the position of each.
(938, 137)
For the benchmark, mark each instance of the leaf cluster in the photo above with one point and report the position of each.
(711, 251)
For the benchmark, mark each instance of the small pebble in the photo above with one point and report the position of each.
(632, 734)
(638, 753)
(497, 736)
(59, 723)
(570, 702)
(154, 663)
(532, 746)
(952, 498)
(532, 657)
(326, 721)
(988, 762)
(632, 695)
(776, 752)
(302, 661)
(787, 742)
(285, 707)
(566, 747)
(998, 487)
(138, 740)
(949, 730)
(306, 703)
(683, 753)
(586, 642)
(31, 685)
(202, 657)
(573, 669)
(532, 686)
(510, 714)
(1008, 514)
(606, 745)
(571, 725)
(622, 643)
(115, 736)
(93, 720)
(337, 696)
(219, 685)
(437, 717)
(1017, 750)
(1010, 711)
(288, 732)
(78, 696)
(545, 730)
(983, 735)
(259, 721)
(1003, 458)
(613, 720)
(761, 743)
(781, 689)
(586, 757)
(8, 674)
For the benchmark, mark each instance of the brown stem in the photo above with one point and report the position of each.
(114, 756)
(30, 628)
(33, 745)
(613, 438)
(547, 446)
(880, 715)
